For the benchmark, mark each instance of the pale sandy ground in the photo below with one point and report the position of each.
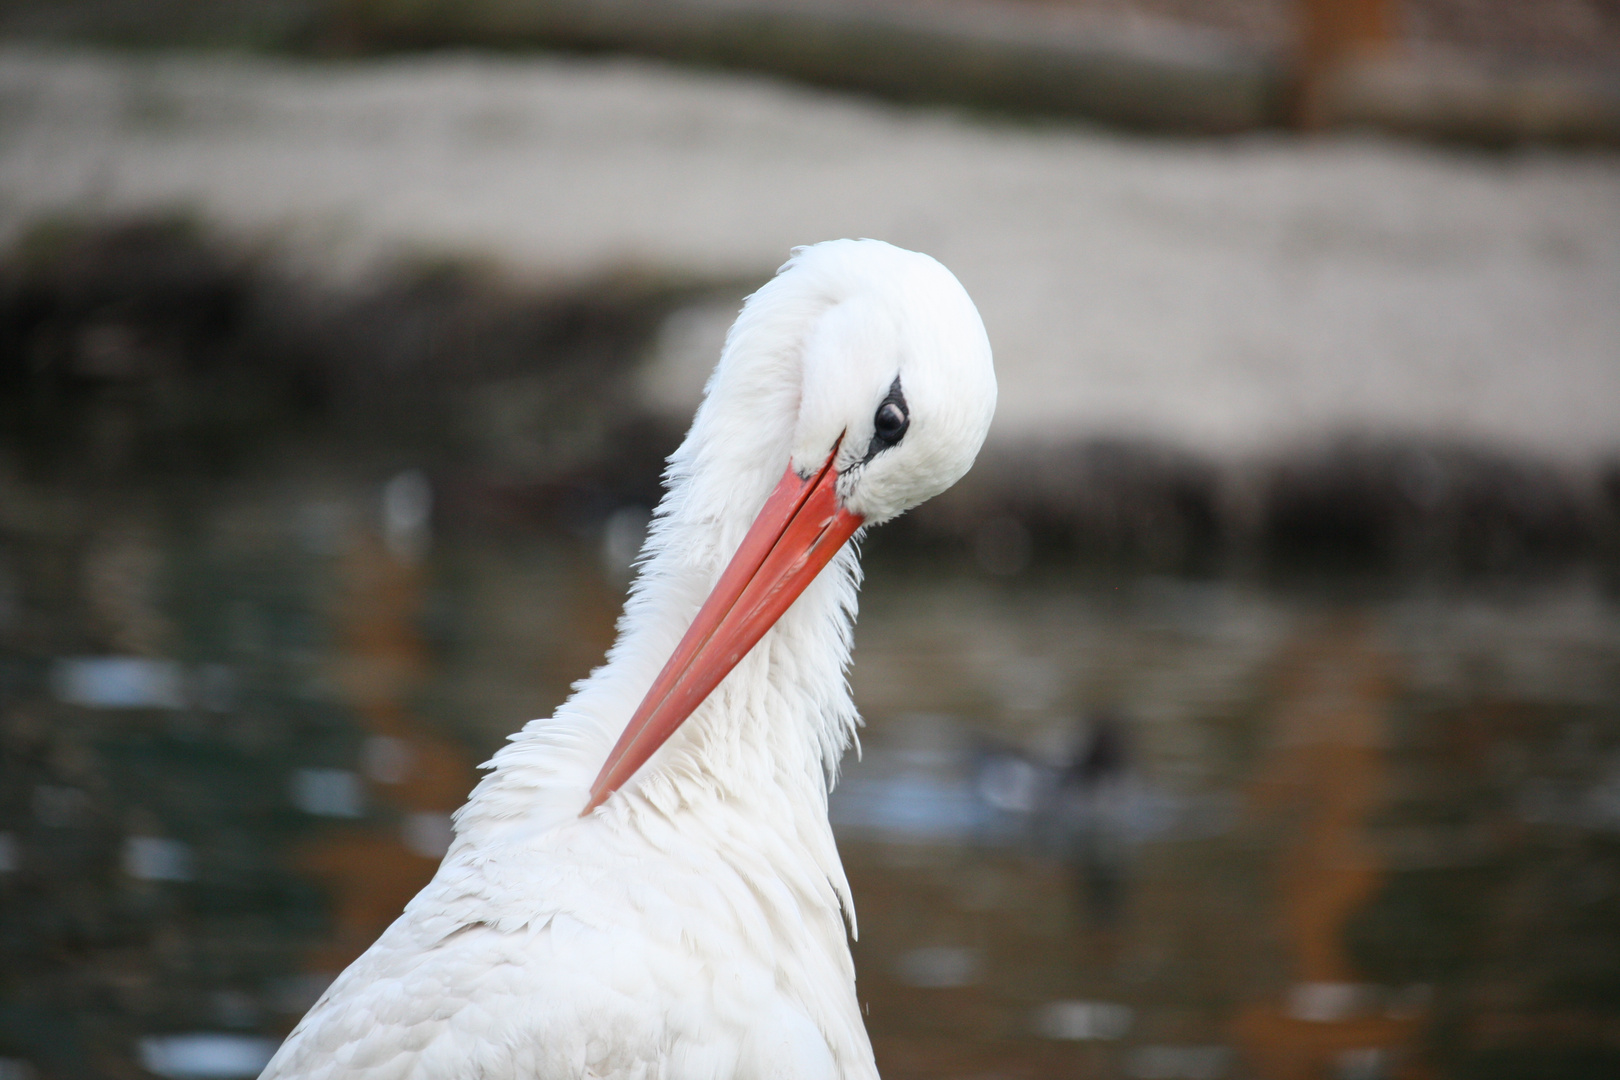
(1231, 297)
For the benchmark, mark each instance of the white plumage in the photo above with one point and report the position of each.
(692, 925)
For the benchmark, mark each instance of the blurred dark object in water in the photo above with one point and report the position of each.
(1102, 753)
(1086, 811)
(1095, 779)
(1089, 809)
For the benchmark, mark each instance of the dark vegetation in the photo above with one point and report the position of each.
(146, 346)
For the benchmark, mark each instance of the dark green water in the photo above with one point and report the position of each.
(1109, 826)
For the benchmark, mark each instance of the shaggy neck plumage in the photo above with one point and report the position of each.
(783, 716)
(775, 729)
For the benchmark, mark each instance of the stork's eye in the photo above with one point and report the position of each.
(891, 420)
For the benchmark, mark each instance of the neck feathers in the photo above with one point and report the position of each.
(777, 726)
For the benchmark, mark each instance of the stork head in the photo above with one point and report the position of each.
(896, 386)
(882, 361)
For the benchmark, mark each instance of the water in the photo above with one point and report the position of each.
(1192, 829)
(1104, 825)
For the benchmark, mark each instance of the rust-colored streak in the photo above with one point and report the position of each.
(369, 877)
(1324, 776)
(370, 873)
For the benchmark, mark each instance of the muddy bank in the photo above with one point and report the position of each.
(151, 346)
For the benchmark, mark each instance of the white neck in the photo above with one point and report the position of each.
(768, 740)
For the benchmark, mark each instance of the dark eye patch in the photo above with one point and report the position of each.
(890, 422)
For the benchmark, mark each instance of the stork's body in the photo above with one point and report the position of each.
(692, 923)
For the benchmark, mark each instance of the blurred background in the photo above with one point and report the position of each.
(1251, 711)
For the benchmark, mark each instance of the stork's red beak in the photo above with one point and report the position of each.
(799, 530)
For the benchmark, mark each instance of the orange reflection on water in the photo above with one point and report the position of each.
(417, 777)
(1324, 776)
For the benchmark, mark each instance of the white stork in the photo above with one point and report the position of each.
(629, 895)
